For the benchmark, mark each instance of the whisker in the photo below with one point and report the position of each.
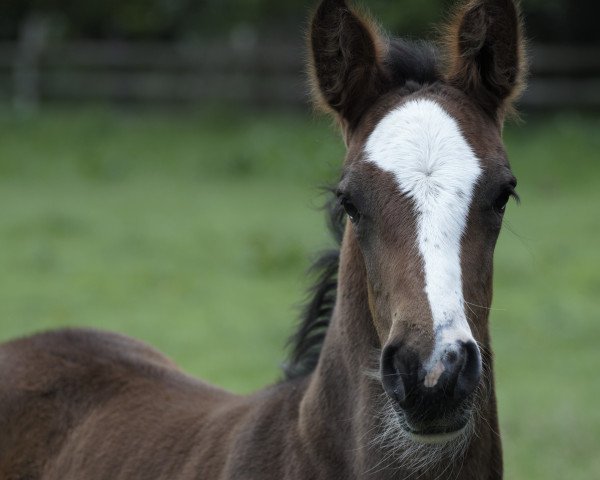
(495, 309)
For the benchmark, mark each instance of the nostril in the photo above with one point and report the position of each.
(392, 371)
(451, 357)
(470, 370)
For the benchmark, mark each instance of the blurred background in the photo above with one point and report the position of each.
(159, 174)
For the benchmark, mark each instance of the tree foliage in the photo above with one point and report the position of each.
(547, 20)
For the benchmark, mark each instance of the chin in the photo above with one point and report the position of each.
(420, 446)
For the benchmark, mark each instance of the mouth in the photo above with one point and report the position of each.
(435, 434)
(433, 437)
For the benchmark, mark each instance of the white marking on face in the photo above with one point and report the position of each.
(434, 374)
(423, 147)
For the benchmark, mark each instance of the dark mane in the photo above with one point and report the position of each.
(305, 344)
(413, 65)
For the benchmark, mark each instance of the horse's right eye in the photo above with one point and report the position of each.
(351, 210)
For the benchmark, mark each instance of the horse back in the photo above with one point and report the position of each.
(89, 404)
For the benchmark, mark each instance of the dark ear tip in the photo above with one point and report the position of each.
(326, 13)
(345, 49)
(333, 3)
(327, 6)
(485, 48)
(472, 31)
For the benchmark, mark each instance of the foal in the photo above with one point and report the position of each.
(395, 380)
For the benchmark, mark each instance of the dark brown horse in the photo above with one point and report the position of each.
(391, 373)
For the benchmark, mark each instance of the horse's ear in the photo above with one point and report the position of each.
(346, 69)
(486, 54)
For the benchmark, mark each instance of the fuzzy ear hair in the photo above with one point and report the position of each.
(346, 68)
(486, 54)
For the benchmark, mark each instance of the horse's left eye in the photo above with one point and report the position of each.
(501, 201)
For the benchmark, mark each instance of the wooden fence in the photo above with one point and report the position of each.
(254, 73)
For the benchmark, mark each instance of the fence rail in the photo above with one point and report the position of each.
(252, 73)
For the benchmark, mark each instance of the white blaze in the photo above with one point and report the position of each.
(423, 147)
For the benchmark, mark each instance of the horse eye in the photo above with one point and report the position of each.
(351, 210)
(501, 201)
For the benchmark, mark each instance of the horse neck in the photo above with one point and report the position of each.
(343, 401)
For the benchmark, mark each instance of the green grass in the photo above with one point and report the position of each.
(193, 232)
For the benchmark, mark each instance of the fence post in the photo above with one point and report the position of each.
(26, 75)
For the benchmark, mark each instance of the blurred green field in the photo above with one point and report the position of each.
(193, 231)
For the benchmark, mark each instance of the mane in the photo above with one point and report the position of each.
(306, 342)
(412, 65)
